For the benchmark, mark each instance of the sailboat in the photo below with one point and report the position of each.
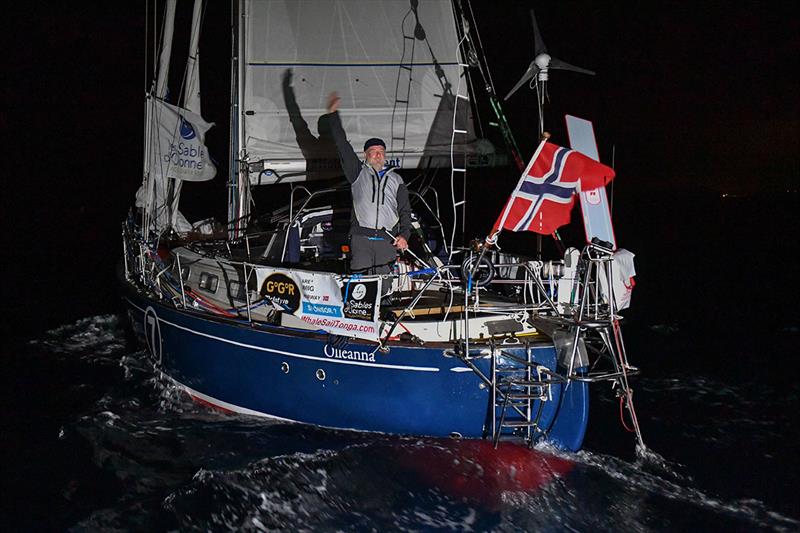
(265, 317)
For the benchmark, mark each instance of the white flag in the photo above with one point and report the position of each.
(180, 146)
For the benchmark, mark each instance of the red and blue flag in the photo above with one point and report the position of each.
(545, 194)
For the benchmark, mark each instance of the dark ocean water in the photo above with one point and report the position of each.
(94, 438)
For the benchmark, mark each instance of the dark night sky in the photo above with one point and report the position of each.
(693, 95)
(701, 93)
(684, 90)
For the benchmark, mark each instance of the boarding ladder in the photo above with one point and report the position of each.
(518, 389)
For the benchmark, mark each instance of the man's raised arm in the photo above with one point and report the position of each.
(351, 164)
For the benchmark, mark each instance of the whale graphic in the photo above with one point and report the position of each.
(187, 130)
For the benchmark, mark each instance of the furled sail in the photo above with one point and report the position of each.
(395, 64)
(175, 143)
(178, 153)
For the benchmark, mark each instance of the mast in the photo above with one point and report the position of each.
(238, 190)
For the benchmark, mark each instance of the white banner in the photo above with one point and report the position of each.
(323, 301)
(180, 146)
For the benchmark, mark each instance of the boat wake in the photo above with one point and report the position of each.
(653, 483)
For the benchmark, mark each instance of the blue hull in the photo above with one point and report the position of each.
(298, 376)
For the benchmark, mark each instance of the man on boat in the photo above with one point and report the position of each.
(381, 220)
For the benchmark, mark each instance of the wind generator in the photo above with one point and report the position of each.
(538, 71)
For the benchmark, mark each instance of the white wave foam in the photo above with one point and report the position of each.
(96, 337)
(668, 483)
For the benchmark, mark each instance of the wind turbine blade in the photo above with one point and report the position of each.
(563, 65)
(532, 71)
(538, 47)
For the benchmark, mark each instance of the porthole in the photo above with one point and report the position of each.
(320, 374)
(236, 291)
(209, 282)
(285, 367)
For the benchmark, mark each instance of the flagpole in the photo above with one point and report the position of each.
(492, 239)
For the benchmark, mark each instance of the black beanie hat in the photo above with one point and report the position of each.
(374, 142)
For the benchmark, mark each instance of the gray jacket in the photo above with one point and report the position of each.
(378, 201)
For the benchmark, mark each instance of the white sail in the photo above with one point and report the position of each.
(191, 102)
(154, 194)
(191, 95)
(396, 66)
(166, 49)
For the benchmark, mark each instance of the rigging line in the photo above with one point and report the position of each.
(397, 83)
(613, 163)
(483, 67)
(156, 39)
(421, 177)
(440, 75)
(181, 96)
(408, 90)
(146, 40)
(476, 115)
(435, 216)
(413, 180)
(488, 74)
(540, 107)
(148, 181)
(460, 29)
(428, 180)
(362, 64)
(622, 416)
(449, 284)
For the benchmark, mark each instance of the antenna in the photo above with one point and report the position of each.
(539, 69)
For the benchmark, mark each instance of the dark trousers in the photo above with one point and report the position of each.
(371, 255)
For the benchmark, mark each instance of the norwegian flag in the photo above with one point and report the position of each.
(544, 195)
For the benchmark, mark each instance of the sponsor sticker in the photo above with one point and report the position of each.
(321, 309)
(360, 301)
(282, 291)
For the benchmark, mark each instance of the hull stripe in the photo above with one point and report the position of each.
(210, 400)
(225, 406)
(291, 354)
